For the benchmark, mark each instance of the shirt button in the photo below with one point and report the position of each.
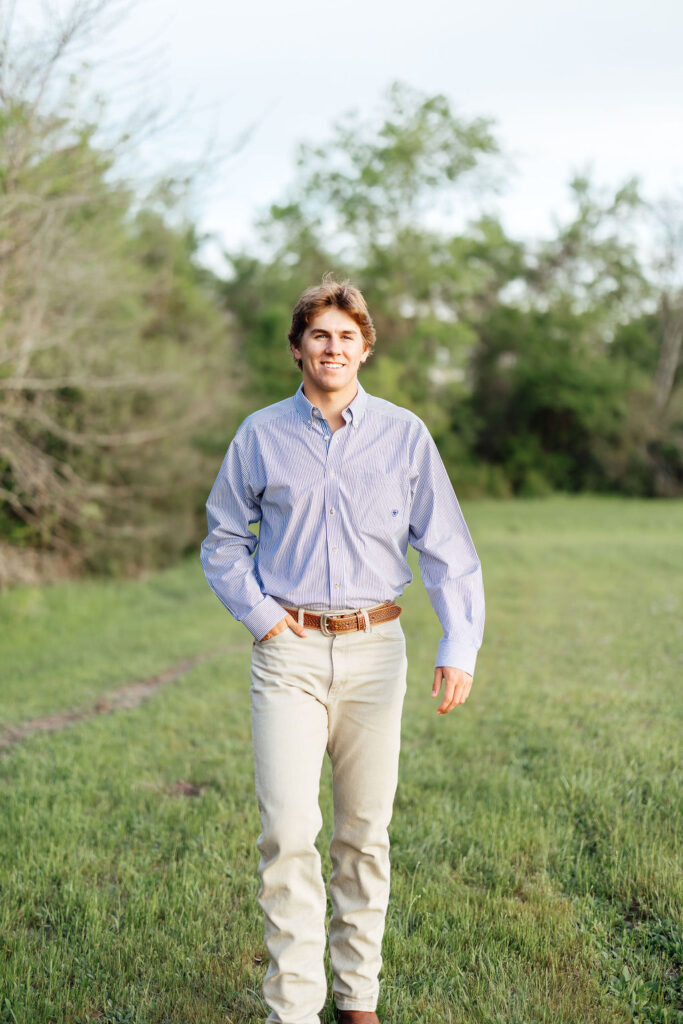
(332, 473)
(316, 412)
(335, 549)
(336, 586)
(331, 511)
(326, 437)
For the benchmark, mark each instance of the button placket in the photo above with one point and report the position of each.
(325, 431)
(336, 583)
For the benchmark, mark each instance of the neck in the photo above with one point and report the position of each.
(331, 403)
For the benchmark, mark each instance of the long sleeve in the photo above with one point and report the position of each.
(226, 552)
(449, 565)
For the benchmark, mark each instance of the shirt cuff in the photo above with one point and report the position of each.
(454, 654)
(261, 619)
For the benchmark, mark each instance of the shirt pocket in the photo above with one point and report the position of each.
(383, 506)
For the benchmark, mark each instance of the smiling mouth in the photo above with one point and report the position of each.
(334, 366)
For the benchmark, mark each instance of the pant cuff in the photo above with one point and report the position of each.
(345, 1003)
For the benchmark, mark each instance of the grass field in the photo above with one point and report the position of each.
(537, 832)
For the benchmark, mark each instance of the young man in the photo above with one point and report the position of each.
(341, 482)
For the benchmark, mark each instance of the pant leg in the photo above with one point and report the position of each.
(365, 708)
(290, 732)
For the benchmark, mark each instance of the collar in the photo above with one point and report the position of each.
(353, 412)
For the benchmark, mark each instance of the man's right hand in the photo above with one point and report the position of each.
(287, 622)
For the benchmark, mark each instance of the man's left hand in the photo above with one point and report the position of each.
(457, 688)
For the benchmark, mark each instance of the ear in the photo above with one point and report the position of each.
(296, 351)
(366, 353)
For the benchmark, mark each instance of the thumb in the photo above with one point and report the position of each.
(294, 625)
(437, 682)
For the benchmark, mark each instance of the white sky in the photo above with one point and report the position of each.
(569, 83)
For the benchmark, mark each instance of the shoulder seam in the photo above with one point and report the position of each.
(265, 415)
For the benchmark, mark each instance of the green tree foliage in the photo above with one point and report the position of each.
(563, 388)
(358, 206)
(114, 373)
(540, 406)
(378, 177)
(553, 365)
(541, 366)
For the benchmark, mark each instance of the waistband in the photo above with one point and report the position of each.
(345, 620)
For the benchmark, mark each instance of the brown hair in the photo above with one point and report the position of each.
(340, 294)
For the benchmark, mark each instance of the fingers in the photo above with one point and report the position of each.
(436, 686)
(282, 625)
(457, 688)
(277, 628)
(448, 702)
(294, 625)
(441, 675)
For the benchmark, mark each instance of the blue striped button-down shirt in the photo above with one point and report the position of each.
(337, 512)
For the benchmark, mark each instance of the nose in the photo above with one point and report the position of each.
(333, 343)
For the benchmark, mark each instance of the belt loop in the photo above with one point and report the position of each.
(368, 627)
(300, 616)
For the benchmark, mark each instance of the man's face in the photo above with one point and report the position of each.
(331, 351)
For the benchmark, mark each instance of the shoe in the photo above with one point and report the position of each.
(358, 1017)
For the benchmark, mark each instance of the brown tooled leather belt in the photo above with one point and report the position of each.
(347, 622)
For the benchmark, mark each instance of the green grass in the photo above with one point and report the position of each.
(536, 840)
(62, 646)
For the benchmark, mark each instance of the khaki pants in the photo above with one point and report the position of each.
(344, 695)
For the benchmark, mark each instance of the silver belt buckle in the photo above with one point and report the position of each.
(324, 616)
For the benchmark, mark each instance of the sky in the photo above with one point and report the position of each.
(570, 85)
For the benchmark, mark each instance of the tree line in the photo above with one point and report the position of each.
(116, 364)
(125, 364)
(539, 366)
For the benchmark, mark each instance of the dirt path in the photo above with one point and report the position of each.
(125, 698)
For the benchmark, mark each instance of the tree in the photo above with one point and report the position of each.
(111, 340)
(563, 382)
(668, 272)
(535, 365)
(379, 201)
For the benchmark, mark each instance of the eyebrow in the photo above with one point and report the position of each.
(347, 330)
